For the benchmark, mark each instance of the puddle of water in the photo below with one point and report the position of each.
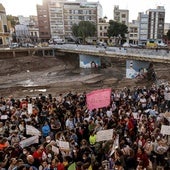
(41, 90)
(27, 83)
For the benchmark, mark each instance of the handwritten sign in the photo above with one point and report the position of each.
(29, 108)
(63, 145)
(104, 135)
(4, 117)
(29, 141)
(165, 130)
(30, 130)
(98, 98)
(55, 149)
(167, 96)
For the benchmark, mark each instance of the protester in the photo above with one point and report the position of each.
(62, 132)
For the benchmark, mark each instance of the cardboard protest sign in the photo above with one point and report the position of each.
(165, 130)
(4, 117)
(55, 149)
(104, 135)
(29, 141)
(167, 95)
(98, 98)
(31, 130)
(29, 108)
(63, 145)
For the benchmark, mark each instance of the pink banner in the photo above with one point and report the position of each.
(98, 99)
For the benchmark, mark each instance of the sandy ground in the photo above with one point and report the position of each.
(32, 75)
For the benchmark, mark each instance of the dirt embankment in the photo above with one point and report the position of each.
(31, 75)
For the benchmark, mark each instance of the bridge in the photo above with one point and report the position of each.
(150, 55)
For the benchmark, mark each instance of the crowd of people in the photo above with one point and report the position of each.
(135, 115)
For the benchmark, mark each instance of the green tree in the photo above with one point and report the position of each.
(83, 30)
(168, 35)
(13, 20)
(117, 30)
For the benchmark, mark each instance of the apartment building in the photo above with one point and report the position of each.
(156, 21)
(43, 21)
(74, 12)
(133, 32)
(58, 16)
(102, 28)
(121, 15)
(143, 27)
(4, 32)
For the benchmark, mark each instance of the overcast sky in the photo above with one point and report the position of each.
(28, 7)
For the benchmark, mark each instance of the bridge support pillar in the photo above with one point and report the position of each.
(53, 52)
(13, 53)
(43, 52)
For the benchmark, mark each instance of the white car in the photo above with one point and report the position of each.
(126, 44)
(162, 44)
(14, 45)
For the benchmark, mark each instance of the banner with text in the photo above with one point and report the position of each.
(104, 135)
(98, 98)
(165, 130)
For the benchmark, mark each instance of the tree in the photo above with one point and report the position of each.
(168, 35)
(13, 20)
(117, 30)
(83, 30)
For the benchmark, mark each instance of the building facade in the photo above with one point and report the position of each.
(121, 15)
(156, 21)
(58, 16)
(143, 28)
(4, 31)
(43, 21)
(133, 32)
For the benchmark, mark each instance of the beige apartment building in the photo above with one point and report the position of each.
(121, 15)
(4, 32)
(133, 32)
(56, 17)
(156, 21)
(43, 21)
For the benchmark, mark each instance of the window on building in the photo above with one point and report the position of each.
(105, 34)
(124, 22)
(100, 27)
(123, 15)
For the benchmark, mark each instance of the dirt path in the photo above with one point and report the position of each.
(31, 75)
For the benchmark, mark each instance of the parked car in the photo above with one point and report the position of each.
(13, 45)
(28, 45)
(126, 44)
(161, 45)
(101, 44)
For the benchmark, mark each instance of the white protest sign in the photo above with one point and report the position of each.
(30, 130)
(4, 117)
(55, 149)
(29, 108)
(63, 145)
(29, 141)
(104, 135)
(165, 130)
(115, 144)
(167, 95)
